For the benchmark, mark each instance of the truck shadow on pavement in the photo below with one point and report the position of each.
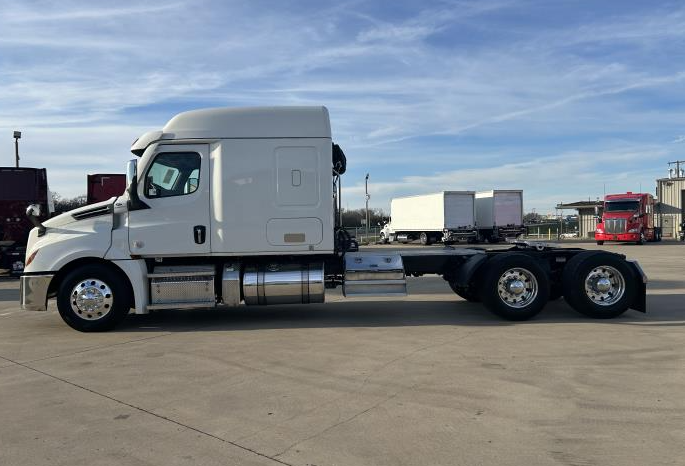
(664, 310)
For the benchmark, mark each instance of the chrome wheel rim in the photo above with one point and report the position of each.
(517, 287)
(604, 285)
(91, 299)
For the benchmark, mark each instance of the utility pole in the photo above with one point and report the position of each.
(17, 136)
(366, 189)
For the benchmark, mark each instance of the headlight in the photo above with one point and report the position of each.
(633, 230)
(599, 230)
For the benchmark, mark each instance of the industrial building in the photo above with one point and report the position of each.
(586, 216)
(671, 194)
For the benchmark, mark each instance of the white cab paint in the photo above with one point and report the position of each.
(272, 196)
(68, 239)
(166, 228)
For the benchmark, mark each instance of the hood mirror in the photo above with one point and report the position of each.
(33, 212)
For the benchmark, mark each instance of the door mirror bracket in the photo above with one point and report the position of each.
(134, 202)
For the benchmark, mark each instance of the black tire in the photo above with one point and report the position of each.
(578, 270)
(383, 239)
(600, 243)
(115, 307)
(641, 241)
(469, 293)
(425, 239)
(494, 271)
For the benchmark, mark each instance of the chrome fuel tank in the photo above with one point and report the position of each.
(279, 283)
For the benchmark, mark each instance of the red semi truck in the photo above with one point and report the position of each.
(20, 187)
(104, 186)
(628, 218)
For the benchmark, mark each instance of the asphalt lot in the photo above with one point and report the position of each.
(426, 380)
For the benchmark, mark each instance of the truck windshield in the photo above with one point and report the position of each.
(621, 206)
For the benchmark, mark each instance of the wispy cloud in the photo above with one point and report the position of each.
(449, 94)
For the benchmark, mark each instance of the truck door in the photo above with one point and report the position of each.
(175, 186)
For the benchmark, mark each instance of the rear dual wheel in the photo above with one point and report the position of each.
(595, 283)
(598, 284)
(469, 293)
(514, 286)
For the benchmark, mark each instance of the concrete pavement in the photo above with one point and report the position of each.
(429, 379)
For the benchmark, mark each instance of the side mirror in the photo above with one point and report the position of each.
(131, 173)
(33, 212)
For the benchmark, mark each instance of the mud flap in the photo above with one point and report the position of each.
(640, 301)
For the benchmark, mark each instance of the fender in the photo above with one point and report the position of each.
(466, 272)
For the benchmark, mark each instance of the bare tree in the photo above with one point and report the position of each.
(65, 204)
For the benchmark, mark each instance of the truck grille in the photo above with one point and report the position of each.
(615, 225)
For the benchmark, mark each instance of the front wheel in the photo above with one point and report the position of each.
(425, 239)
(600, 243)
(514, 286)
(598, 284)
(383, 239)
(93, 298)
(641, 241)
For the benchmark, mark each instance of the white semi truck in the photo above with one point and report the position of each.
(444, 216)
(499, 214)
(231, 207)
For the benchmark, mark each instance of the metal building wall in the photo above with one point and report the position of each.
(586, 223)
(669, 191)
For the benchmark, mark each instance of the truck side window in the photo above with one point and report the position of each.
(173, 174)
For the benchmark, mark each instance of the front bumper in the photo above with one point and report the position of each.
(33, 291)
(617, 236)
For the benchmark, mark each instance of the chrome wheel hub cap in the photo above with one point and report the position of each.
(91, 299)
(604, 285)
(517, 287)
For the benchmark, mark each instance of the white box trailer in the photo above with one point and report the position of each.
(427, 217)
(240, 207)
(499, 214)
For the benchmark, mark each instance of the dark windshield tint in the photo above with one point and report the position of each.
(618, 206)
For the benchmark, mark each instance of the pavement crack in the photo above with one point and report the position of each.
(145, 411)
(384, 400)
(93, 348)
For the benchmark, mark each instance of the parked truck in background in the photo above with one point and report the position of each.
(628, 218)
(226, 207)
(499, 214)
(103, 186)
(445, 216)
(20, 187)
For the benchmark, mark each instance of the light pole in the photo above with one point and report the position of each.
(366, 189)
(17, 136)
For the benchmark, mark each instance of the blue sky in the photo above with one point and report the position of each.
(559, 98)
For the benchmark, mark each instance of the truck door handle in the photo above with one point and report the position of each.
(199, 233)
